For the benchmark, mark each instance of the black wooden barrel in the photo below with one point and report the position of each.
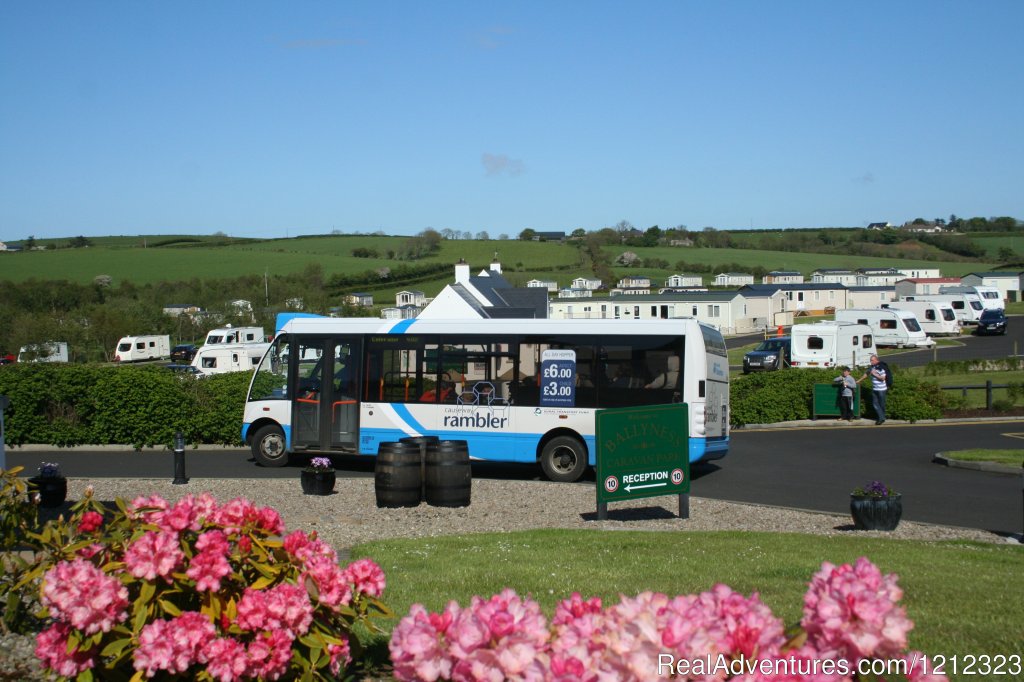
(448, 477)
(421, 442)
(397, 477)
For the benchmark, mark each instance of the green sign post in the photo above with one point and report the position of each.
(643, 452)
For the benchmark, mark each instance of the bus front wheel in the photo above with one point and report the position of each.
(563, 459)
(268, 447)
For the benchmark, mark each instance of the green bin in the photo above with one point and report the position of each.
(825, 401)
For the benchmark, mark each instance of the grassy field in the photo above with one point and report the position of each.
(953, 614)
(136, 258)
(1013, 458)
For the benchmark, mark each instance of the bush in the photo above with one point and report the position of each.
(770, 397)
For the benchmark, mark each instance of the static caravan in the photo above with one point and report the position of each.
(50, 351)
(137, 348)
(228, 357)
(991, 297)
(898, 328)
(831, 344)
(935, 317)
(967, 307)
(231, 334)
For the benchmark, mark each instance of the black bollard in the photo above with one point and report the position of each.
(179, 459)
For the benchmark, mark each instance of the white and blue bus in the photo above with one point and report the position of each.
(515, 390)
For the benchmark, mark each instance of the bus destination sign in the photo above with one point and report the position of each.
(558, 378)
(643, 452)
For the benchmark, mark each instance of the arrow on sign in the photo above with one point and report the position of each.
(630, 488)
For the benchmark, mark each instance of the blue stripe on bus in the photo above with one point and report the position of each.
(402, 327)
(406, 416)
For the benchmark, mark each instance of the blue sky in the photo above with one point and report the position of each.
(271, 119)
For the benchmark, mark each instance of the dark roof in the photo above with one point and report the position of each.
(806, 286)
(784, 272)
(505, 300)
(874, 288)
(689, 296)
(997, 273)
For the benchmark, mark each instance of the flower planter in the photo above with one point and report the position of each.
(53, 490)
(318, 482)
(876, 513)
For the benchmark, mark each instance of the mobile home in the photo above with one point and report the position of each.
(231, 334)
(967, 307)
(935, 317)
(228, 357)
(991, 297)
(892, 327)
(831, 344)
(136, 348)
(50, 351)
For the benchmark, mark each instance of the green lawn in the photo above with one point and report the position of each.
(962, 596)
(1013, 458)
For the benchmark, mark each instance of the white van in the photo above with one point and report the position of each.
(967, 307)
(831, 344)
(231, 334)
(991, 297)
(228, 357)
(136, 348)
(49, 351)
(894, 327)
(935, 317)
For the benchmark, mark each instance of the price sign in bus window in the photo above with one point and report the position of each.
(558, 378)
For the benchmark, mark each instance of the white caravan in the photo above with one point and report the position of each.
(136, 348)
(991, 297)
(935, 317)
(228, 357)
(894, 327)
(231, 334)
(967, 307)
(49, 351)
(831, 344)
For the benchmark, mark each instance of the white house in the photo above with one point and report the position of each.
(634, 282)
(576, 293)
(487, 295)
(242, 307)
(548, 284)
(870, 297)
(295, 303)
(733, 279)
(587, 283)
(921, 272)
(783, 277)
(682, 281)
(405, 312)
(410, 297)
(923, 286)
(1008, 282)
(724, 309)
(807, 298)
(360, 299)
(877, 277)
(176, 309)
(847, 278)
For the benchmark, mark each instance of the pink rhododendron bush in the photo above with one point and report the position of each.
(198, 590)
(852, 629)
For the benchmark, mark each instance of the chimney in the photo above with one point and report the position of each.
(496, 266)
(461, 271)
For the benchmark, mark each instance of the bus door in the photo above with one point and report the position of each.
(325, 407)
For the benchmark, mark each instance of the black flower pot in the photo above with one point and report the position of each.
(318, 482)
(53, 490)
(876, 513)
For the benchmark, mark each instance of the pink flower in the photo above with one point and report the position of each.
(207, 569)
(341, 656)
(367, 577)
(282, 607)
(173, 645)
(332, 583)
(269, 655)
(226, 659)
(91, 521)
(417, 645)
(81, 595)
(852, 612)
(154, 554)
(145, 507)
(52, 651)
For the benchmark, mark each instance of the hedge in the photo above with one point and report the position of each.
(69, 405)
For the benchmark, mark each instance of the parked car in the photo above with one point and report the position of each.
(992, 321)
(184, 369)
(7, 359)
(182, 354)
(770, 354)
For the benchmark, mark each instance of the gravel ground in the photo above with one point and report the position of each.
(350, 516)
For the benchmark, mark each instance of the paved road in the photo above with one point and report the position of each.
(808, 468)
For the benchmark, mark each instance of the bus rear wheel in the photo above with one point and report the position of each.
(564, 459)
(268, 447)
